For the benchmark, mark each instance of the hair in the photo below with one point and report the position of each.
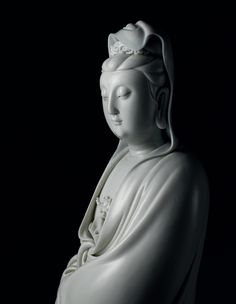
(152, 68)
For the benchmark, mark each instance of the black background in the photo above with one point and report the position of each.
(63, 143)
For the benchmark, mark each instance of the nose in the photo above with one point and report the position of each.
(112, 107)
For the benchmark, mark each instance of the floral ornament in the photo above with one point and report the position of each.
(120, 48)
(104, 204)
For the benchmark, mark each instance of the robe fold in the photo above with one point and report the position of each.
(149, 247)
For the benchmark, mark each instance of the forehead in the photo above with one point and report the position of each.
(130, 78)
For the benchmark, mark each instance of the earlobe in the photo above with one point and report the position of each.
(162, 98)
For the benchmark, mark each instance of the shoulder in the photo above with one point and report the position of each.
(178, 167)
(180, 159)
(181, 163)
(180, 180)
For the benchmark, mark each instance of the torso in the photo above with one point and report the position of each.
(111, 187)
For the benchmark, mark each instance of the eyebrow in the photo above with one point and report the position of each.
(116, 87)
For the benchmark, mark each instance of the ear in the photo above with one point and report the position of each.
(162, 98)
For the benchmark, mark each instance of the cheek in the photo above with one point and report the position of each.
(139, 110)
(146, 108)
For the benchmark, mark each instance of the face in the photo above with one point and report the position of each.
(127, 104)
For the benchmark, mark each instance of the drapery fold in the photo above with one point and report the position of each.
(151, 242)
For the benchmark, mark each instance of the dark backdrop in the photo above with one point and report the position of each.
(66, 144)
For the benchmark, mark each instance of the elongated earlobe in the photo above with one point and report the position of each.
(162, 98)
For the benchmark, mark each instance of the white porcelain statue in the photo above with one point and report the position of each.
(143, 233)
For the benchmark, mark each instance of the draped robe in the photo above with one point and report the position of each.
(150, 245)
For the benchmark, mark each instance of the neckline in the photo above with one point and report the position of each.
(155, 152)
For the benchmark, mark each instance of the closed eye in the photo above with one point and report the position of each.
(126, 95)
(123, 92)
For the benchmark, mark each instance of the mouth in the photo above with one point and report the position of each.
(117, 122)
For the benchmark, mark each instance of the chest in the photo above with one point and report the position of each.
(117, 176)
(119, 190)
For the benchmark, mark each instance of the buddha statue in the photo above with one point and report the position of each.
(142, 236)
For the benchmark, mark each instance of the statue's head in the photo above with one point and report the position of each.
(137, 84)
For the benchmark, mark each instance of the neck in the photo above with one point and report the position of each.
(146, 146)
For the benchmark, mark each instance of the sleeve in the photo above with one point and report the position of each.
(165, 233)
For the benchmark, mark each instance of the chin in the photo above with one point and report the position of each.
(118, 132)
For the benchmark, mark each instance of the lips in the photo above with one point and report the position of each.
(116, 120)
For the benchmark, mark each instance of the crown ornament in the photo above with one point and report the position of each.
(119, 48)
